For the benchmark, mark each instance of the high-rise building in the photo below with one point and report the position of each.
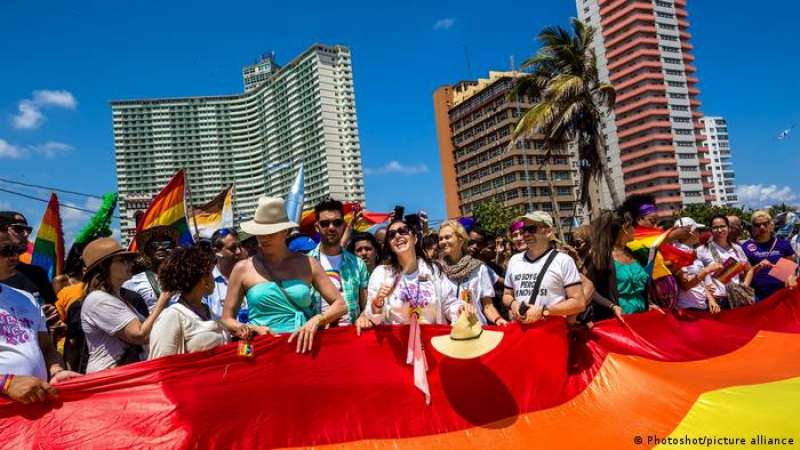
(718, 147)
(260, 71)
(303, 112)
(653, 133)
(474, 122)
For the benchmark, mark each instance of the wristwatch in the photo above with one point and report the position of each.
(523, 308)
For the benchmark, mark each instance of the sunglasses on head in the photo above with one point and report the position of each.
(223, 232)
(402, 231)
(335, 222)
(9, 249)
(19, 228)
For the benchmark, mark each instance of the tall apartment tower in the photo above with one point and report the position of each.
(718, 147)
(303, 112)
(260, 71)
(653, 133)
(474, 121)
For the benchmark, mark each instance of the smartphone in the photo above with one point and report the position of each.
(399, 211)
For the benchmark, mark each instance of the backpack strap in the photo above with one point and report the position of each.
(540, 276)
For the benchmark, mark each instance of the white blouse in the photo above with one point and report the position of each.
(427, 291)
(180, 330)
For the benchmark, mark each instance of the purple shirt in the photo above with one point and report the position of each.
(763, 283)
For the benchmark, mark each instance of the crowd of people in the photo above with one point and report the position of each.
(115, 307)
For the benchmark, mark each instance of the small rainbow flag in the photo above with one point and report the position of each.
(48, 248)
(168, 208)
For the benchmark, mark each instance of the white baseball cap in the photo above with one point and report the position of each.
(688, 222)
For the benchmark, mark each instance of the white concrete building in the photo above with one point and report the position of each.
(303, 112)
(717, 144)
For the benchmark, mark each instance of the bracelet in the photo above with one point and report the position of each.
(6, 383)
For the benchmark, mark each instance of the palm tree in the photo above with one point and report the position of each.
(569, 103)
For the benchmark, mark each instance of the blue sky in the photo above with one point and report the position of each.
(80, 56)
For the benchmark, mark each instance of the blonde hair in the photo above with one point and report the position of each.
(459, 231)
(761, 214)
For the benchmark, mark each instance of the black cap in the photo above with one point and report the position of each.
(12, 217)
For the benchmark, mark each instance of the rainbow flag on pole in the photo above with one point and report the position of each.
(48, 248)
(168, 209)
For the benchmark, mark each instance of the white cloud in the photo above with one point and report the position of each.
(49, 149)
(759, 195)
(9, 151)
(444, 24)
(396, 167)
(30, 110)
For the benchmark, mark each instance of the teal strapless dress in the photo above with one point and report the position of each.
(269, 307)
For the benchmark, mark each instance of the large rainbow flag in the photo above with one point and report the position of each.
(168, 208)
(48, 248)
(653, 380)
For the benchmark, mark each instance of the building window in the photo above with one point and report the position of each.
(665, 15)
(670, 49)
(663, 4)
(676, 95)
(672, 60)
(676, 84)
(668, 37)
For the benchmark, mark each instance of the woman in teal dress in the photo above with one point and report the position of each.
(620, 281)
(277, 284)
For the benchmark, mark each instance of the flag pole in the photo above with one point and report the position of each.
(191, 206)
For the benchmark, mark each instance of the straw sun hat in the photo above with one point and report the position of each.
(467, 339)
(270, 218)
(101, 249)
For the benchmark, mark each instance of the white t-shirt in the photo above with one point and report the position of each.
(522, 273)
(332, 266)
(696, 296)
(102, 317)
(706, 257)
(179, 330)
(479, 284)
(21, 320)
(427, 289)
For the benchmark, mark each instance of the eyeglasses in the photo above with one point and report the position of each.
(19, 228)
(402, 231)
(157, 245)
(9, 249)
(335, 222)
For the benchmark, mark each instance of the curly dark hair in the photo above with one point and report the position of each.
(184, 268)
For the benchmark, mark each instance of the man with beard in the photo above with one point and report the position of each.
(154, 245)
(26, 277)
(347, 271)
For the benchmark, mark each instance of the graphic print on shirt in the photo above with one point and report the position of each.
(15, 331)
(417, 295)
(336, 278)
(527, 281)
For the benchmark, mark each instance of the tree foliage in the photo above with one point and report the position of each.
(704, 213)
(493, 216)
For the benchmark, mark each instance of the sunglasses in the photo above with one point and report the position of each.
(760, 225)
(9, 250)
(156, 245)
(223, 232)
(335, 222)
(19, 228)
(530, 228)
(402, 231)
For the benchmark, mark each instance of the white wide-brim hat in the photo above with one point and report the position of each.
(467, 339)
(270, 218)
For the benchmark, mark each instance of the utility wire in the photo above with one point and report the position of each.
(48, 201)
(6, 180)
